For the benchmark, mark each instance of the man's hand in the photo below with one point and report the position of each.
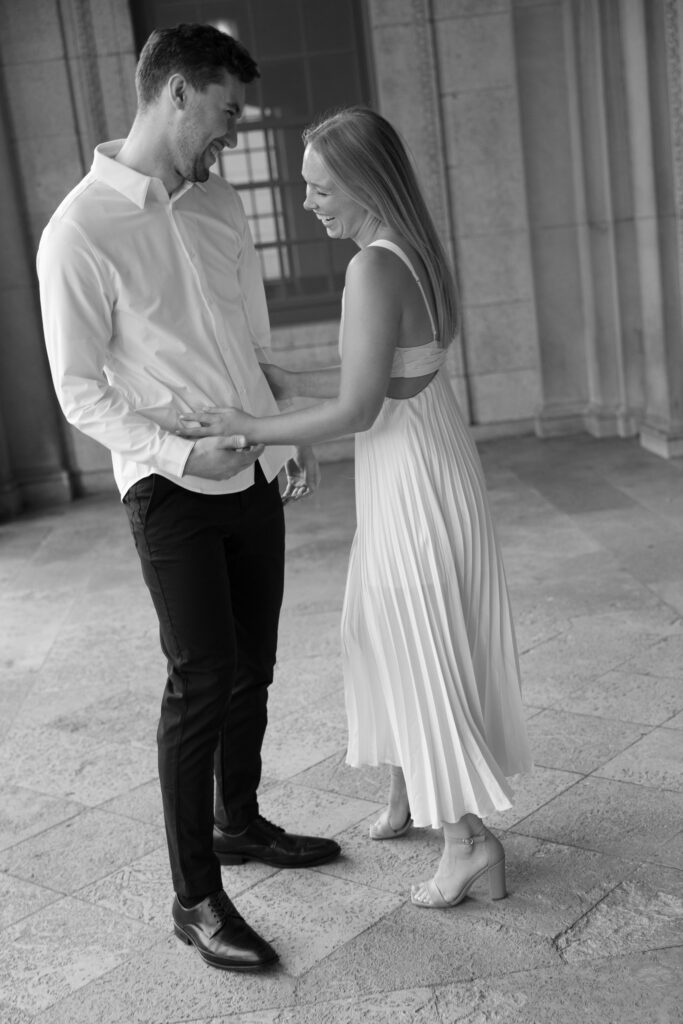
(216, 458)
(303, 475)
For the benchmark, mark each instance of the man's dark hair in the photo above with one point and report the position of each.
(200, 53)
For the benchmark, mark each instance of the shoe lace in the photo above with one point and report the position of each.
(268, 825)
(221, 906)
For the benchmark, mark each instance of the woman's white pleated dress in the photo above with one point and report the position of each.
(431, 670)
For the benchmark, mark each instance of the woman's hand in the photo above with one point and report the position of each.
(229, 423)
(280, 381)
(303, 474)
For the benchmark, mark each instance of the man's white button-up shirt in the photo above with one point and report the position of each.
(153, 305)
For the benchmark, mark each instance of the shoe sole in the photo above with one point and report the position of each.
(222, 965)
(273, 862)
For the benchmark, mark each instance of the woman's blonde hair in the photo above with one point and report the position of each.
(368, 161)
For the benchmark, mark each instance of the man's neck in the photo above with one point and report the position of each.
(145, 151)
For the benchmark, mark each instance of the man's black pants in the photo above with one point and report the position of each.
(214, 565)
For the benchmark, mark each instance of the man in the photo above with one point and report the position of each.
(153, 305)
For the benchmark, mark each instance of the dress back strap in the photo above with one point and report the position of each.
(384, 243)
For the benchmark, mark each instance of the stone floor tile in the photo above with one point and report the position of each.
(310, 811)
(25, 812)
(408, 1006)
(61, 949)
(142, 803)
(167, 983)
(259, 1017)
(675, 723)
(304, 738)
(309, 915)
(18, 543)
(389, 865)
(142, 889)
(655, 761)
(414, 947)
(94, 712)
(671, 853)
(662, 659)
(105, 649)
(536, 624)
(626, 696)
(12, 1015)
(31, 622)
(80, 850)
(622, 990)
(320, 638)
(641, 542)
(75, 767)
(644, 912)
(299, 682)
(367, 783)
(20, 899)
(550, 886)
(587, 584)
(670, 592)
(592, 646)
(609, 816)
(532, 791)
(14, 690)
(578, 743)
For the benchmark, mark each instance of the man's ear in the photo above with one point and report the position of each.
(177, 91)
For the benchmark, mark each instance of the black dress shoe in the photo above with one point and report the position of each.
(221, 935)
(272, 845)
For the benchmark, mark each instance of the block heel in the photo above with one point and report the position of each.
(428, 894)
(496, 873)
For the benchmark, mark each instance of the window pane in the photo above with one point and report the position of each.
(333, 81)
(277, 27)
(271, 264)
(284, 88)
(328, 26)
(230, 16)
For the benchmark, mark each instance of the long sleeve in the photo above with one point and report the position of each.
(254, 296)
(77, 298)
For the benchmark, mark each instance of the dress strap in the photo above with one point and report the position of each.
(384, 243)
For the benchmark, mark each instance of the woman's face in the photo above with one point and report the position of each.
(341, 216)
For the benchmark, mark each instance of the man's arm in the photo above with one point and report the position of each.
(77, 297)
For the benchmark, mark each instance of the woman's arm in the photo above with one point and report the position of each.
(371, 324)
(286, 384)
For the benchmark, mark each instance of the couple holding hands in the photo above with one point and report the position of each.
(156, 325)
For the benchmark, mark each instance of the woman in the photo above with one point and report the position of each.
(430, 663)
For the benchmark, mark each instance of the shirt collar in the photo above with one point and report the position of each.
(129, 182)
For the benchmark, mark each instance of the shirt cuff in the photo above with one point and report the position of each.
(173, 454)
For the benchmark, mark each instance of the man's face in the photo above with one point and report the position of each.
(207, 123)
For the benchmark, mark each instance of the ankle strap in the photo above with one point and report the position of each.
(471, 840)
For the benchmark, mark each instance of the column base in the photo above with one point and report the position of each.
(660, 442)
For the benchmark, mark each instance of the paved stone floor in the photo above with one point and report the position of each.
(592, 930)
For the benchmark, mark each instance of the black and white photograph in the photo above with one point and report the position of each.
(341, 512)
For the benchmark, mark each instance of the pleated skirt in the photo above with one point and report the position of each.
(431, 671)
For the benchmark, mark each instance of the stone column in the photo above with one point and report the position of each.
(67, 70)
(32, 456)
(403, 36)
(479, 96)
(661, 23)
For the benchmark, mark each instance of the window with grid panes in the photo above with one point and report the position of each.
(312, 59)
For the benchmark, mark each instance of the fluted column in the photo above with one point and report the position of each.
(661, 23)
